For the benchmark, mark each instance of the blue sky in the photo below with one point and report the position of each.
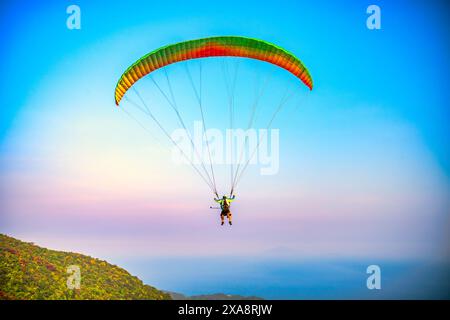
(364, 159)
(401, 64)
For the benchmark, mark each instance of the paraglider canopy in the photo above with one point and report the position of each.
(212, 47)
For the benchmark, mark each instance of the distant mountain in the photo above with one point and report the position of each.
(215, 296)
(31, 272)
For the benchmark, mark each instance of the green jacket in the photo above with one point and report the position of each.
(224, 203)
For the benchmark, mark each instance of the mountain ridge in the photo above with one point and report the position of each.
(214, 296)
(28, 271)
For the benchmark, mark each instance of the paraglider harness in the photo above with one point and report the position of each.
(225, 206)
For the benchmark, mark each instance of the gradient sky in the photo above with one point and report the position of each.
(364, 158)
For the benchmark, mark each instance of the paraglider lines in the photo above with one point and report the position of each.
(258, 94)
(180, 119)
(149, 113)
(283, 101)
(198, 95)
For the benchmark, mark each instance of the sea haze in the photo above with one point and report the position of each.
(291, 278)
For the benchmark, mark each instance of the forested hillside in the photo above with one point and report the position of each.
(31, 272)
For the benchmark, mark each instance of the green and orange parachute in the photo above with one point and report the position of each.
(212, 47)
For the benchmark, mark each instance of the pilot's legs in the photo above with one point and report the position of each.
(229, 216)
(222, 219)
